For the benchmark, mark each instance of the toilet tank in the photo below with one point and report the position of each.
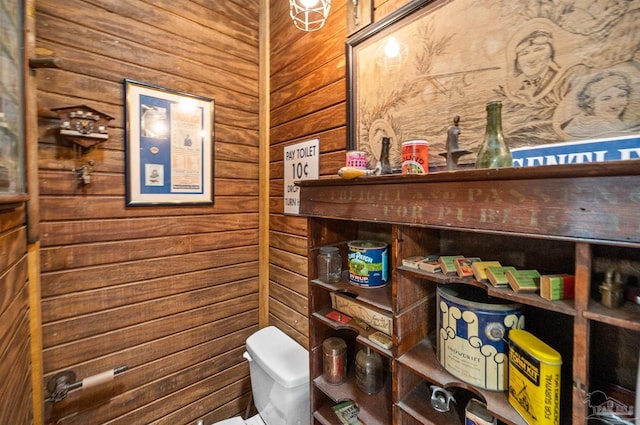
(279, 368)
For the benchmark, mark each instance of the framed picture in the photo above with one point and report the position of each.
(169, 146)
(12, 104)
(564, 74)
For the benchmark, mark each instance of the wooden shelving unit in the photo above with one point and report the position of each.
(578, 219)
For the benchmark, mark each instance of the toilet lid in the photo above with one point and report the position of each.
(255, 420)
(237, 420)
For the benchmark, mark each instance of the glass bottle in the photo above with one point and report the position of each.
(329, 264)
(385, 165)
(369, 371)
(494, 152)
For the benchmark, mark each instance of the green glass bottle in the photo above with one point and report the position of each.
(385, 165)
(494, 152)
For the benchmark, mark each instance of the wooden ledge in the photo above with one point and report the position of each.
(593, 169)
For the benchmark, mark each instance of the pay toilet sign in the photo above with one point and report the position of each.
(301, 162)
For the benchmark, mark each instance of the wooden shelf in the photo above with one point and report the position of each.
(561, 202)
(441, 277)
(578, 219)
(423, 362)
(362, 334)
(364, 340)
(325, 416)
(560, 306)
(374, 408)
(535, 300)
(417, 404)
(627, 316)
(379, 297)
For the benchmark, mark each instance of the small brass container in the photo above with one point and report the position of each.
(612, 290)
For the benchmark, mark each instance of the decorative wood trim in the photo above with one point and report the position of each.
(35, 325)
(581, 330)
(593, 169)
(264, 124)
(588, 202)
(31, 128)
(33, 220)
(11, 202)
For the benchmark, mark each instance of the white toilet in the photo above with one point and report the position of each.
(279, 369)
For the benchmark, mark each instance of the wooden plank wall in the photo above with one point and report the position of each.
(308, 100)
(15, 367)
(170, 292)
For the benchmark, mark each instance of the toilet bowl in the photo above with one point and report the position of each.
(279, 370)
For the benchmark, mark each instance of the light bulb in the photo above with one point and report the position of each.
(391, 48)
(309, 3)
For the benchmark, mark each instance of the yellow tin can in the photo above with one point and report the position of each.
(534, 378)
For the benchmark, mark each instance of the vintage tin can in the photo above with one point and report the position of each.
(534, 378)
(357, 159)
(415, 157)
(476, 414)
(471, 328)
(368, 263)
(334, 362)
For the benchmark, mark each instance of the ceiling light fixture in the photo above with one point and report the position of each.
(309, 15)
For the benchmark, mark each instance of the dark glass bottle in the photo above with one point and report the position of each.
(385, 165)
(494, 152)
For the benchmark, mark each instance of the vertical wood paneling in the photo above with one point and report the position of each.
(308, 100)
(15, 367)
(170, 292)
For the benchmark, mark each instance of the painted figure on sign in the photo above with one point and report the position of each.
(534, 66)
(591, 16)
(602, 103)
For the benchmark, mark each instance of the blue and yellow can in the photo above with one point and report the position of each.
(368, 263)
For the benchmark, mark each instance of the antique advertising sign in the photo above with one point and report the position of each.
(301, 162)
(579, 152)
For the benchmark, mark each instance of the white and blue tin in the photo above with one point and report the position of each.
(472, 329)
